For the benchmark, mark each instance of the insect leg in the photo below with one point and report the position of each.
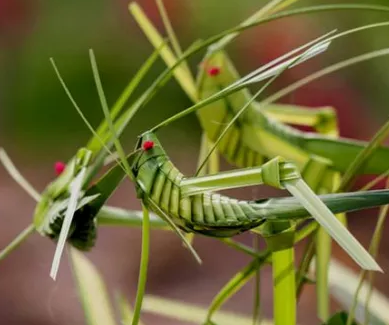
(279, 174)
(322, 119)
(321, 178)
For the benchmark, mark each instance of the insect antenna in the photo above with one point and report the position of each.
(30, 190)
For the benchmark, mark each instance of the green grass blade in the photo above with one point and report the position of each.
(375, 181)
(343, 283)
(19, 239)
(358, 163)
(214, 162)
(323, 255)
(289, 13)
(180, 72)
(95, 143)
(103, 144)
(145, 224)
(17, 176)
(169, 28)
(289, 55)
(31, 191)
(79, 111)
(284, 286)
(92, 290)
(313, 51)
(235, 283)
(257, 286)
(241, 247)
(373, 249)
(333, 226)
(126, 312)
(191, 313)
(253, 77)
(377, 236)
(270, 8)
(143, 266)
(121, 151)
(326, 71)
(302, 272)
(177, 231)
(75, 189)
(202, 170)
(107, 115)
(314, 172)
(325, 38)
(305, 231)
(173, 38)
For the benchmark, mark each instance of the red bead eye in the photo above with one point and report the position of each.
(147, 145)
(59, 167)
(213, 71)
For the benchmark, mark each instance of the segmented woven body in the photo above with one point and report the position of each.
(240, 144)
(207, 213)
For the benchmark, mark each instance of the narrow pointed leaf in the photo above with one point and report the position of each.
(17, 176)
(173, 39)
(92, 290)
(180, 72)
(343, 283)
(321, 73)
(235, 283)
(322, 214)
(270, 8)
(95, 143)
(192, 313)
(19, 239)
(257, 75)
(76, 188)
(363, 157)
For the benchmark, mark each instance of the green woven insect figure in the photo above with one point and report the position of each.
(152, 173)
(259, 132)
(73, 204)
(193, 205)
(253, 135)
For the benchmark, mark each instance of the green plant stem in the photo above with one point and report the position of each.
(113, 216)
(17, 176)
(241, 247)
(17, 241)
(143, 266)
(373, 249)
(257, 286)
(235, 283)
(363, 157)
(308, 255)
(284, 284)
(305, 231)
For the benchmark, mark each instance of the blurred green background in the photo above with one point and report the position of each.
(37, 118)
(38, 125)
